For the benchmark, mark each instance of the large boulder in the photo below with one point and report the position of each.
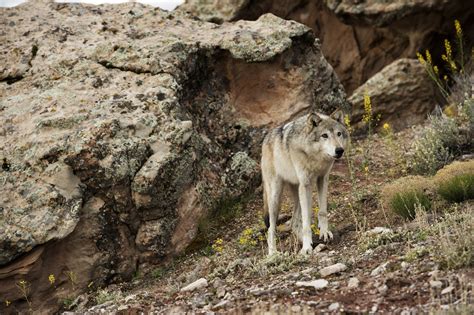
(402, 94)
(358, 38)
(122, 126)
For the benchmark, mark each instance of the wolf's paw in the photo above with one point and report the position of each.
(325, 235)
(306, 251)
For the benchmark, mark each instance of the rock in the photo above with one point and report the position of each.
(436, 284)
(404, 265)
(402, 95)
(358, 38)
(380, 269)
(353, 283)
(334, 307)
(320, 248)
(336, 268)
(379, 230)
(447, 290)
(123, 126)
(382, 289)
(317, 284)
(221, 304)
(196, 285)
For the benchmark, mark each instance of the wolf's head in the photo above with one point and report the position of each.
(327, 134)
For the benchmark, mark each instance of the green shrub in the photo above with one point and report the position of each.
(406, 195)
(455, 182)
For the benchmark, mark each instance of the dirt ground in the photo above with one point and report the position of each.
(386, 272)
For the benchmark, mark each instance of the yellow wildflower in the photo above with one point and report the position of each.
(366, 169)
(428, 57)
(386, 127)
(315, 229)
(447, 46)
(453, 66)
(51, 279)
(367, 108)
(420, 58)
(457, 25)
(445, 78)
(7, 303)
(217, 246)
(436, 70)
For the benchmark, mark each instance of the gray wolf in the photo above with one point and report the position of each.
(298, 155)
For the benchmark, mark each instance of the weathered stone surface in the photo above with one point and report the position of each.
(329, 270)
(359, 38)
(123, 125)
(402, 94)
(317, 284)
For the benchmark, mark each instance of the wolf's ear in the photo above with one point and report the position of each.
(338, 115)
(313, 120)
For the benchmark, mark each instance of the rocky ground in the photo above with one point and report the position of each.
(376, 263)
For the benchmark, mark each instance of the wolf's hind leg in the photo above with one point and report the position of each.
(296, 216)
(274, 198)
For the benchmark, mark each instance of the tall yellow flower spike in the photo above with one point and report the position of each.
(436, 70)
(457, 25)
(421, 59)
(367, 108)
(428, 57)
(447, 46)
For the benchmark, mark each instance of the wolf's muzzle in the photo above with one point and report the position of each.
(339, 152)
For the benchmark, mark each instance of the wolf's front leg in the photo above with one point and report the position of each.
(324, 232)
(273, 209)
(304, 193)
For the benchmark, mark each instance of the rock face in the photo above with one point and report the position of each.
(359, 38)
(401, 94)
(122, 126)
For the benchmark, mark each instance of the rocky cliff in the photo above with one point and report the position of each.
(123, 126)
(359, 38)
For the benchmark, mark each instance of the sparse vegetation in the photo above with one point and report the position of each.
(453, 242)
(405, 194)
(104, 295)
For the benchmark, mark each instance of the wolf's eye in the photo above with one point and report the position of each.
(339, 134)
(324, 135)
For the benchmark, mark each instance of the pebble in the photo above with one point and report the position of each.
(320, 248)
(317, 284)
(436, 284)
(353, 283)
(379, 230)
(383, 289)
(447, 290)
(334, 307)
(200, 283)
(221, 304)
(326, 271)
(379, 270)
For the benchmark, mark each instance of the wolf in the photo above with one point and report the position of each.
(298, 155)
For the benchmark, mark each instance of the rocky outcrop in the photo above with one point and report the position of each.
(358, 38)
(122, 126)
(401, 95)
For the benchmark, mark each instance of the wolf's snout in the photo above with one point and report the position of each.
(339, 152)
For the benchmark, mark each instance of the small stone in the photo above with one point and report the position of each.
(221, 304)
(334, 307)
(320, 248)
(353, 283)
(198, 284)
(339, 267)
(436, 284)
(404, 265)
(317, 284)
(383, 289)
(379, 230)
(379, 270)
(447, 290)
